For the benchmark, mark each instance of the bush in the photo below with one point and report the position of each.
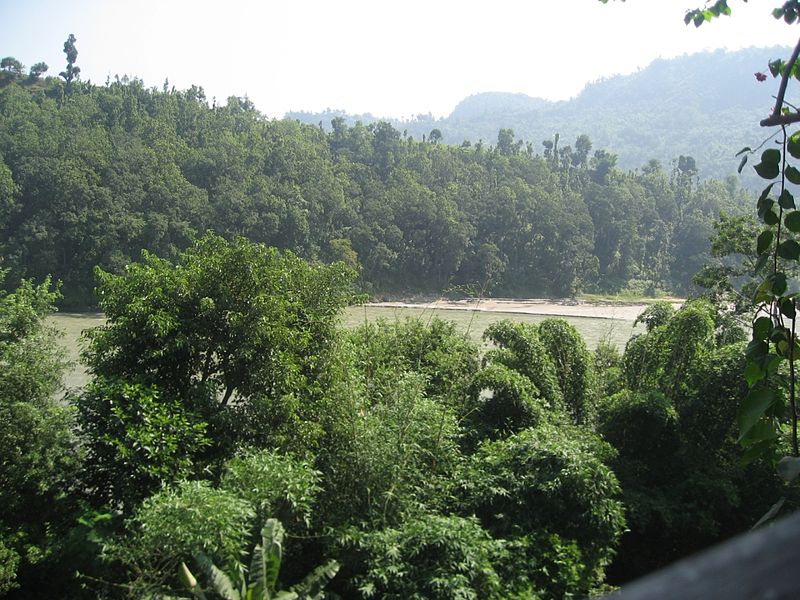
(549, 481)
(426, 557)
(40, 457)
(574, 367)
(500, 401)
(276, 485)
(520, 348)
(384, 350)
(644, 429)
(137, 439)
(608, 367)
(390, 457)
(174, 525)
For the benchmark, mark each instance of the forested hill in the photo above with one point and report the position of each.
(91, 175)
(685, 105)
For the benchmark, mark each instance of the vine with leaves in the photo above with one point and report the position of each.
(771, 371)
(768, 416)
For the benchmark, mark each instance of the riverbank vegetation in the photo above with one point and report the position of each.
(92, 174)
(234, 441)
(395, 460)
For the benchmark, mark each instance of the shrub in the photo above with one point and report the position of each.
(427, 557)
(546, 481)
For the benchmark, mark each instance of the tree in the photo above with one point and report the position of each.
(520, 348)
(233, 342)
(136, 439)
(574, 366)
(602, 164)
(38, 70)
(500, 402)
(236, 316)
(547, 491)
(11, 65)
(40, 455)
(71, 72)
(505, 141)
(427, 557)
(194, 522)
(583, 145)
(772, 398)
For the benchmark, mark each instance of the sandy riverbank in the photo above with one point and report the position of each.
(566, 308)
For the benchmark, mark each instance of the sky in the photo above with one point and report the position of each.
(387, 57)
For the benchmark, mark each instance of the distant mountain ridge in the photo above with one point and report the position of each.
(705, 105)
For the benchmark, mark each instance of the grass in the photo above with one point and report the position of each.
(627, 298)
(472, 323)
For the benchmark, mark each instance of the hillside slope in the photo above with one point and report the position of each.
(703, 105)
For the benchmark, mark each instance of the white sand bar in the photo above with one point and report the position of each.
(565, 308)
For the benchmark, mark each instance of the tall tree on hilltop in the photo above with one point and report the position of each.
(71, 72)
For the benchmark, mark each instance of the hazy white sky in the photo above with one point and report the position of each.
(388, 57)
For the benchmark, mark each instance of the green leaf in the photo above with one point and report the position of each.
(788, 308)
(792, 221)
(769, 167)
(762, 328)
(743, 150)
(770, 217)
(793, 144)
(755, 451)
(792, 174)
(795, 351)
(765, 192)
(753, 373)
(778, 284)
(221, 583)
(771, 156)
(752, 408)
(786, 200)
(788, 468)
(757, 350)
(742, 163)
(314, 583)
(773, 362)
(272, 539)
(767, 171)
(764, 241)
(762, 431)
(257, 578)
(763, 292)
(790, 250)
(779, 334)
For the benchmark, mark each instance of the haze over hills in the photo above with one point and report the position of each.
(705, 105)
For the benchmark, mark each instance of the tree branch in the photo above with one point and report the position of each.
(774, 120)
(777, 118)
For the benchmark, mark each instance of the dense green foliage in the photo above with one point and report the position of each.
(618, 112)
(235, 442)
(40, 457)
(90, 175)
(400, 460)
